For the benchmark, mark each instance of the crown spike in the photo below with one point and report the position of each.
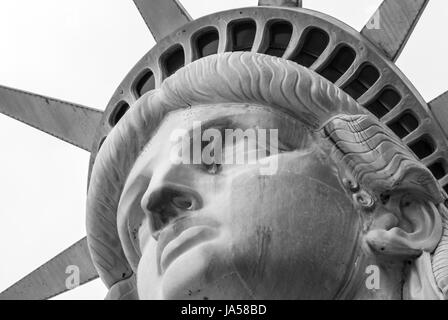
(69, 122)
(281, 3)
(162, 16)
(50, 279)
(392, 24)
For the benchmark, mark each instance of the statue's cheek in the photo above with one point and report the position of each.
(292, 236)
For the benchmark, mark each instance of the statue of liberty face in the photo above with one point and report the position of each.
(319, 193)
(233, 230)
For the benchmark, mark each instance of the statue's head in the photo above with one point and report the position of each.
(323, 193)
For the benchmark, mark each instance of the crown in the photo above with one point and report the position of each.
(321, 43)
(360, 63)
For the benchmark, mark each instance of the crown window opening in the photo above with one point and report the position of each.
(173, 61)
(386, 101)
(145, 83)
(118, 113)
(438, 169)
(207, 43)
(423, 148)
(405, 125)
(366, 78)
(280, 34)
(243, 35)
(315, 43)
(343, 59)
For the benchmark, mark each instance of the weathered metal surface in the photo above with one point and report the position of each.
(392, 25)
(69, 122)
(281, 3)
(409, 100)
(439, 108)
(50, 279)
(162, 16)
(395, 16)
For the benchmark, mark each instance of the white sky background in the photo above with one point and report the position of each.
(80, 51)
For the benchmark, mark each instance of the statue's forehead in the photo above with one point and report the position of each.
(224, 116)
(235, 113)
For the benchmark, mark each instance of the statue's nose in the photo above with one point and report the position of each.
(166, 200)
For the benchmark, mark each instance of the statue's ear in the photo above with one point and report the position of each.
(404, 225)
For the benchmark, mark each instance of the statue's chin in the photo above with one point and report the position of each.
(203, 272)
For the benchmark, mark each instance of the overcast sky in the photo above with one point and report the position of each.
(80, 51)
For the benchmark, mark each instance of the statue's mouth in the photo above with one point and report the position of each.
(181, 235)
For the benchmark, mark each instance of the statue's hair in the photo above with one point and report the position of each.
(375, 155)
(440, 258)
(379, 161)
(376, 158)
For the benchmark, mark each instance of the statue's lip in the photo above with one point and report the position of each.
(181, 235)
